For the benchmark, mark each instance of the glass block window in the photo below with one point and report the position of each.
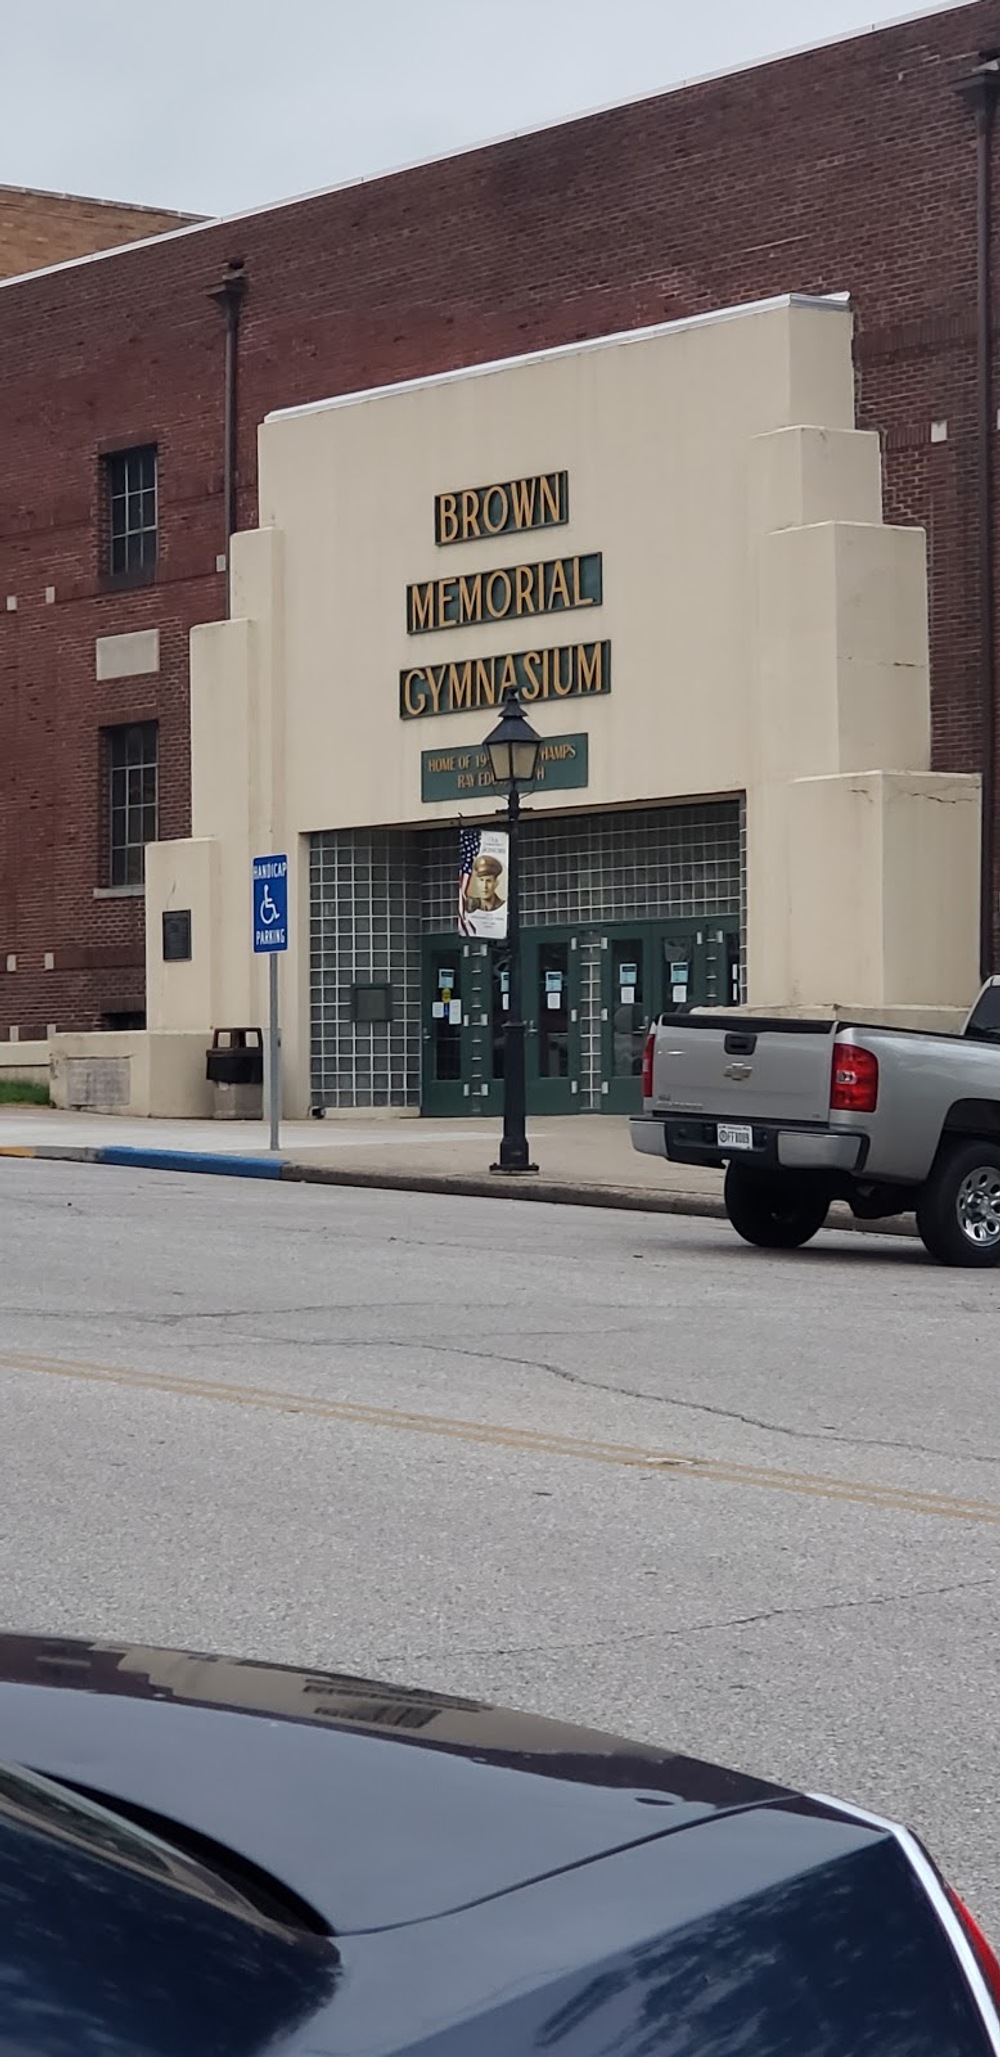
(365, 930)
(131, 756)
(131, 477)
(375, 892)
(644, 865)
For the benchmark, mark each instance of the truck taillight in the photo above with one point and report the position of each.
(647, 1065)
(854, 1083)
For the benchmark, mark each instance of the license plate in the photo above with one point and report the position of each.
(735, 1136)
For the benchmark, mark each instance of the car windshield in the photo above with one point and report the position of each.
(61, 1812)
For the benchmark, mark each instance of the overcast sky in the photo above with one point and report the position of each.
(216, 105)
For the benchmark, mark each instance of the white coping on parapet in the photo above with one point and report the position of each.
(836, 303)
(197, 228)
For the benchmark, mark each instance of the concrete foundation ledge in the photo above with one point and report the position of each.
(25, 1063)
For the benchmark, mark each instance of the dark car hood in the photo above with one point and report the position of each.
(379, 1806)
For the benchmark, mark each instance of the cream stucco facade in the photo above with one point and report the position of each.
(764, 634)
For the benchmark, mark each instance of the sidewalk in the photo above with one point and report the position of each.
(583, 1160)
(586, 1159)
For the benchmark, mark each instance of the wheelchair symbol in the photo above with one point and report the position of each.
(268, 911)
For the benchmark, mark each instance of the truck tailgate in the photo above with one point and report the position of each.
(752, 1070)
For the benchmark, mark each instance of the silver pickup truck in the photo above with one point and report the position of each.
(801, 1113)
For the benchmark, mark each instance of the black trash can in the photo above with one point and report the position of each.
(234, 1068)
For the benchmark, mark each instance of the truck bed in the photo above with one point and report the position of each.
(753, 1068)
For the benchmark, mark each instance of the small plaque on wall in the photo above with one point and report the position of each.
(177, 936)
(459, 774)
(371, 1003)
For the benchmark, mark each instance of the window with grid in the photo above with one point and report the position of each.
(132, 778)
(132, 509)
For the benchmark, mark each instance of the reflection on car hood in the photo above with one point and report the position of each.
(379, 1806)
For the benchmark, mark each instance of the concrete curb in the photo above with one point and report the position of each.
(472, 1186)
(457, 1185)
(500, 1186)
(632, 1199)
(137, 1159)
(191, 1160)
(67, 1153)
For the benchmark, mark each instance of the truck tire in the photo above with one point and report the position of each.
(774, 1210)
(958, 1211)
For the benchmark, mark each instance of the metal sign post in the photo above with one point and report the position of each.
(273, 1053)
(270, 938)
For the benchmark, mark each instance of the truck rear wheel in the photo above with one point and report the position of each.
(774, 1210)
(958, 1212)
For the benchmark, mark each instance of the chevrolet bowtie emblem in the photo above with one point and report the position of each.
(739, 1071)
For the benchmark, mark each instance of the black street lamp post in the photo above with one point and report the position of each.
(513, 748)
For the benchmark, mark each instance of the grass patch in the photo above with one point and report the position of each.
(22, 1092)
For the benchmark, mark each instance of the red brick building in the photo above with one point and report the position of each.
(851, 167)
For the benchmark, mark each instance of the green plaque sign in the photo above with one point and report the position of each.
(466, 774)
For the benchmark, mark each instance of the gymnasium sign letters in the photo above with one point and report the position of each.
(510, 593)
(477, 511)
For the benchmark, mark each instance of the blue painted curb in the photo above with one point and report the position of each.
(188, 1160)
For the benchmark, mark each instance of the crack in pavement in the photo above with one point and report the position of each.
(774, 1428)
(168, 1318)
(268, 1339)
(695, 1628)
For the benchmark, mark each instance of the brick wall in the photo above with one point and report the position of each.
(850, 168)
(49, 228)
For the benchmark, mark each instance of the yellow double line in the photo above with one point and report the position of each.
(674, 1464)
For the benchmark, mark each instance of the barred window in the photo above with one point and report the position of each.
(132, 509)
(132, 755)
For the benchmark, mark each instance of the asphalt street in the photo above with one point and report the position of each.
(612, 1467)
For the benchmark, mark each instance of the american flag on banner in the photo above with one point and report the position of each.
(470, 842)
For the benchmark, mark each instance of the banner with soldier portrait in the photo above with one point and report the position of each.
(482, 883)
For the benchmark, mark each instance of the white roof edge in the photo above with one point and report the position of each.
(217, 221)
(836, 303)
(185, 215)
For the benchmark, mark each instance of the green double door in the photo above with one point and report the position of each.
(466, 999)
(646, 969)
(654, 968)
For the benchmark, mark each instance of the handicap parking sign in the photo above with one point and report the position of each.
(270, 904)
